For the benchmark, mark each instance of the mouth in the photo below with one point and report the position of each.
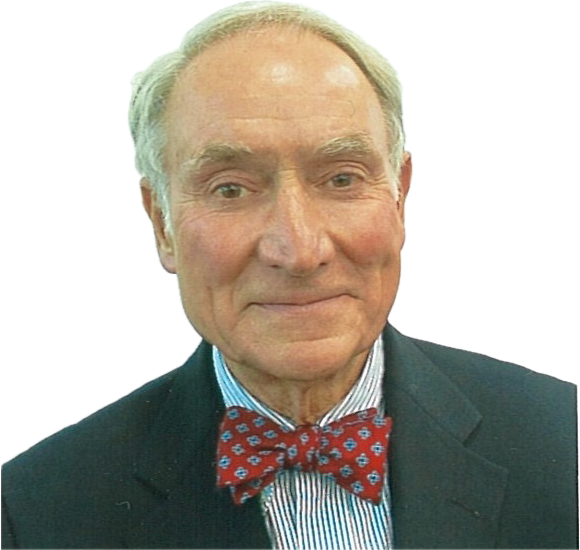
(299, 305)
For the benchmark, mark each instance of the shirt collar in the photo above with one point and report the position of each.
(366, 392)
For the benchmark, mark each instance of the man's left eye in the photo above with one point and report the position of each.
(342, 180)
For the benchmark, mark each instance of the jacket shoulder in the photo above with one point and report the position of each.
(120, 424)
(479, 375)
(528, 426)
(79, 488)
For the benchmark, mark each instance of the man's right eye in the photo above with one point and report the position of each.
(229, 191)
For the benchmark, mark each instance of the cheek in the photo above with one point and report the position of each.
(210, 252)
(375, 238)
(210, 257)
(376, 255)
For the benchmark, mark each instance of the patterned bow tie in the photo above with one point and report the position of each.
(253, 450)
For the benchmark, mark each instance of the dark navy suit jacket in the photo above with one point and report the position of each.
(483, 455)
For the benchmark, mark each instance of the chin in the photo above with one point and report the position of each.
(307, 361)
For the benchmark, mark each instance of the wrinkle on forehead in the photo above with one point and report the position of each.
(357, 144)
(283, 90)
(282, 106)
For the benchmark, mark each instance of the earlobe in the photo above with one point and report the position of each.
(163, 237)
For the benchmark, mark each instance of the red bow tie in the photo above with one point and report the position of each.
(253, 450)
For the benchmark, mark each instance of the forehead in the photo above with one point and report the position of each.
(277, 85)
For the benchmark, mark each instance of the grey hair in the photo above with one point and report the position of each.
(152, 87)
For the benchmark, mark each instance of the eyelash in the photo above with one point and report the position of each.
(345, 175)
(237, 186)
(354, 177)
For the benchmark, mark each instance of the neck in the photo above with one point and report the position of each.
(303, 401)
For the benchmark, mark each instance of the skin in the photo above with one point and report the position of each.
(287, 253)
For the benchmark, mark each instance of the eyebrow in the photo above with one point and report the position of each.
(354, 144)
(358, 144)
(215, 153)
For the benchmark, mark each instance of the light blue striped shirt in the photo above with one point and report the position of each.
(304, 510)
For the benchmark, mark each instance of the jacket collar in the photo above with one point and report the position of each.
(177, 465)
(444, 494)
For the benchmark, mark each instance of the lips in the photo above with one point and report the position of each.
(300, 297)
(299, 304)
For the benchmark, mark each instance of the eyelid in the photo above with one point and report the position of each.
(242, 190)
(225, 177)
(349, 167)
(213, 187)
(351, 171)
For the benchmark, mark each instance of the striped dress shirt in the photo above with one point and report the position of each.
(304, 510)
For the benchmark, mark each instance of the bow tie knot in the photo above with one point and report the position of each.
(302, 448)
(253, 450)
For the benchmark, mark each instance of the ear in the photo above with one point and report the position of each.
(163, 237)
(404, 182)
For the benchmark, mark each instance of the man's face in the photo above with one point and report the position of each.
(287, 227)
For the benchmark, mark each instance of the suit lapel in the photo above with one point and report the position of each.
(177, 469)
(444, 495)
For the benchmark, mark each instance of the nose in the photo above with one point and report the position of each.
(295, 237)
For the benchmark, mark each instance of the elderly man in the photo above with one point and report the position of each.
(274, 173)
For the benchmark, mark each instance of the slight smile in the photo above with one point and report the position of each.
(303, 306)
